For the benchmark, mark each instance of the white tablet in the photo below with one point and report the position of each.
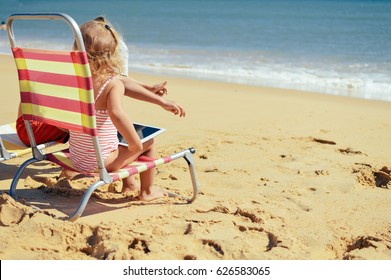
(144, 131)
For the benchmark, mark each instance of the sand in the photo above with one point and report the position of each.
(283, 175)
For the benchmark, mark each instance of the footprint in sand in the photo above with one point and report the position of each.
(364, 242)
(323, 141)
(213, 244)
(274, 242)
(369, 176)
(350, 151)
(383, 177)
(140, 244)
(190, 258)
(248, 215)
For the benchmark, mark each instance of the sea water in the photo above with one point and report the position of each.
(340, 47)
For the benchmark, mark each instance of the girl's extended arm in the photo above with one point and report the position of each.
(159, 89)
(135, 90)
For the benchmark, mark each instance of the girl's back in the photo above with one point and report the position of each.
(80, 144)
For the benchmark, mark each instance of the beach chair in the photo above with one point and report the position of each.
(11, 146)
(56, 88)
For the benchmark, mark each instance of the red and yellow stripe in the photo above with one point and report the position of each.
(56, 88)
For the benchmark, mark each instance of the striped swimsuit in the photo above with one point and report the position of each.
(81, 147)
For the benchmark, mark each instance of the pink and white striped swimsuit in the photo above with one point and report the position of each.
(81, 147)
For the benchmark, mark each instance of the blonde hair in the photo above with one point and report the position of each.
(102, 43)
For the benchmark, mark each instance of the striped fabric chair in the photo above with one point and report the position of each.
(56, 88)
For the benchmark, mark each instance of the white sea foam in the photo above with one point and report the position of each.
(361, 81)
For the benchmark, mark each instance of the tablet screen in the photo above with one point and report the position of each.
(145, 132)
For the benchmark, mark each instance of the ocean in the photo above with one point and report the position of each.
(339, 47)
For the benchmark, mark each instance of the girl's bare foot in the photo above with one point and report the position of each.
(68, 174)
(129, 185)
(152, 194)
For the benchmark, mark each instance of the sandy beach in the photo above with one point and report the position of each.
(283, 175)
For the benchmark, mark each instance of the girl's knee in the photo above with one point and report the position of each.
(150, 144)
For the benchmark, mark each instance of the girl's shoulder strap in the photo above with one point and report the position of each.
(102, 88)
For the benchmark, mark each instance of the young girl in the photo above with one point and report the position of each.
(101, 43)
(135, 89)
(140, 90)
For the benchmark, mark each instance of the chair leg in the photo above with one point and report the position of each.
(190, 161)
(84, 200)
(188, 156)
(18, 173)
(3, 152)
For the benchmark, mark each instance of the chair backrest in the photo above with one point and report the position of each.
(56, 86)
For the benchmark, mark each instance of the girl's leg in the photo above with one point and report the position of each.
(123, 157)
(129, 184)
(148, 192)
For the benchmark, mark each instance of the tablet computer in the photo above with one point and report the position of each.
(145, 132)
